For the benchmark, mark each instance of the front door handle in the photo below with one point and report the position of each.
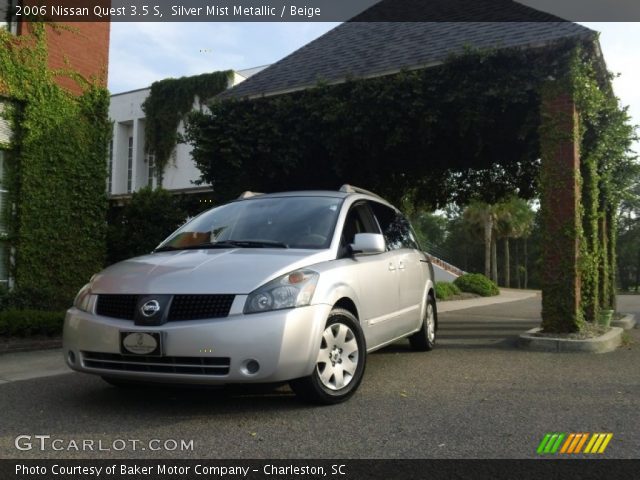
(392, 267)
(401, 266)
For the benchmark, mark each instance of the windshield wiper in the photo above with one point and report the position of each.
(254, 243)
(225, 244)
(197, 246)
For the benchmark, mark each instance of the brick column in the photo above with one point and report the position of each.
(560, 201)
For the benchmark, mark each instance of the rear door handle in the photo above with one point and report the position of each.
(391, 267)
(401, 266)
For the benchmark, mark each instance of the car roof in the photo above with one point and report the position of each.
(315, 193)
(300, 193)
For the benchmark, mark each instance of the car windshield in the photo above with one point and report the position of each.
(276, 222)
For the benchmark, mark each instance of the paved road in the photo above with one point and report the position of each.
(475, 396)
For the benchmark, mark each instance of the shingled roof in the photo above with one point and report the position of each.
(369, 49)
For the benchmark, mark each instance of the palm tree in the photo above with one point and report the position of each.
(483, 215)
(514, 220)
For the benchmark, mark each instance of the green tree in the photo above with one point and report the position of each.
(482, 215)
(139, 226)
(629, 239)
(431, 229)
(514, 220)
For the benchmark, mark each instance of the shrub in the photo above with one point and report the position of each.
(22, 298)
(138, 227)
(23, 323)
(446, 290)
(476, 283)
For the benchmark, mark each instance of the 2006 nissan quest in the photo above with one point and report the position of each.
(295, 286)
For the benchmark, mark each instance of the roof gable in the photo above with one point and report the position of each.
(369, 49)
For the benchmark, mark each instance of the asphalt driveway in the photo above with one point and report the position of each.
(474, 396)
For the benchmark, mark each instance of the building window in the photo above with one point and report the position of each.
(151, 161)
(7, 15)
(110, 171)
(129, 164)
(4, 248)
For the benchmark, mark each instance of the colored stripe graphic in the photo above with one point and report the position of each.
(543, 443)
(581, 443)
(556, 446)
(572, 443)
(566, 445)
(598, 443)
(550, 443)
(607, 439)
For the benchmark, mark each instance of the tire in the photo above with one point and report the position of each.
(341, 362)
(425, 339)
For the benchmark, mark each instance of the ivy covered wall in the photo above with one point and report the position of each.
(168, 102)
(56, 174)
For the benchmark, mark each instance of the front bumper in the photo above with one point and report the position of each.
(284, 343)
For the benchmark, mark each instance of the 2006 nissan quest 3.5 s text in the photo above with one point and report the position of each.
(295, 286)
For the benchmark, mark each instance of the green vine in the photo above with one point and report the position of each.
(604, 137)
(168, 102)
(55, 174)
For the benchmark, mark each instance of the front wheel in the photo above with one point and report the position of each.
(425, 338)
(340, 364)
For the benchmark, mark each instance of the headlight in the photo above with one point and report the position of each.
(294, 289)
(84, 299)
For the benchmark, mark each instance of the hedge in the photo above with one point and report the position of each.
(476, 283)
(23, 323)
(144, 222)
(445, 290)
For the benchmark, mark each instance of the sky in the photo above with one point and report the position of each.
(142, 53)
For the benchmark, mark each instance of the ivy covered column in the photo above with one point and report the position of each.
(560, 209)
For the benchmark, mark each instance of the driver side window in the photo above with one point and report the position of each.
(359, 220)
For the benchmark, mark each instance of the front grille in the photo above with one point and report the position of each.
(183, 307)
(195, 307)
(117, 306)
(180, 365)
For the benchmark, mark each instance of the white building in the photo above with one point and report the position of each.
(130, 167)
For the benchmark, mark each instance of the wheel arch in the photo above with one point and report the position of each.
(347, 304)
(432, 293)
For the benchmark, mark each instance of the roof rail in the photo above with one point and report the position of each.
(346, 188)
(249, 194)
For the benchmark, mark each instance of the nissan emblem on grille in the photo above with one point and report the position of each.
(150, 308)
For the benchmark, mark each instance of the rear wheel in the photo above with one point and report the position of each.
(425, 338)
(340, 364)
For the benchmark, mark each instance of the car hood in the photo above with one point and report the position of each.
(232, 271)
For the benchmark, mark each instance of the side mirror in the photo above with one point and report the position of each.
(368, 243)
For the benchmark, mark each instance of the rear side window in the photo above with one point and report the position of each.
(395, 227)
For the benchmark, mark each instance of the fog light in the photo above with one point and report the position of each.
(71, 358)
(250, 367)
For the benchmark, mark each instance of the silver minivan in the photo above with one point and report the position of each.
(295, 286)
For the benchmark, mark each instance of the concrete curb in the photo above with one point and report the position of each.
(506, 295)
(627, 322)
(602, 344)
(28, 345)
